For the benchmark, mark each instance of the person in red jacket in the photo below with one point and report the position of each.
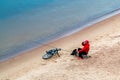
(84, 51)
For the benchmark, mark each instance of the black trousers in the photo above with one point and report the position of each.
(82, 54)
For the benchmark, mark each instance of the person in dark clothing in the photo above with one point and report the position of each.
(84, 51)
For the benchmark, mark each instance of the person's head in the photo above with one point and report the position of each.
(85, 42)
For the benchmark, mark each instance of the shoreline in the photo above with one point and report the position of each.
(38, 43)
(31, 61)
(66, 35)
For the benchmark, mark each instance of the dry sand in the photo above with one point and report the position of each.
(103, 65)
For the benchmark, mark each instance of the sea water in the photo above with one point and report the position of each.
(25, 24)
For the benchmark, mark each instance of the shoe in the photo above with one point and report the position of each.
(85, 56)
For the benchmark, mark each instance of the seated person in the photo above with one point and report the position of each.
(84, 51)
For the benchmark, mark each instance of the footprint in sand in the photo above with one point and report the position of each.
(71, 59)
(117, 36)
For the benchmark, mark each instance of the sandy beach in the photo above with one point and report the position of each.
(103, 65)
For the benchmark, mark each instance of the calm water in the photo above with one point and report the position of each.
(25, 24)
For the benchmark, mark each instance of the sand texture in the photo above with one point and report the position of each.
(103, 65)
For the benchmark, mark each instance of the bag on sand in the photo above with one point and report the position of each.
(74, 52)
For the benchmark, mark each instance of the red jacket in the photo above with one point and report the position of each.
(85, 48)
